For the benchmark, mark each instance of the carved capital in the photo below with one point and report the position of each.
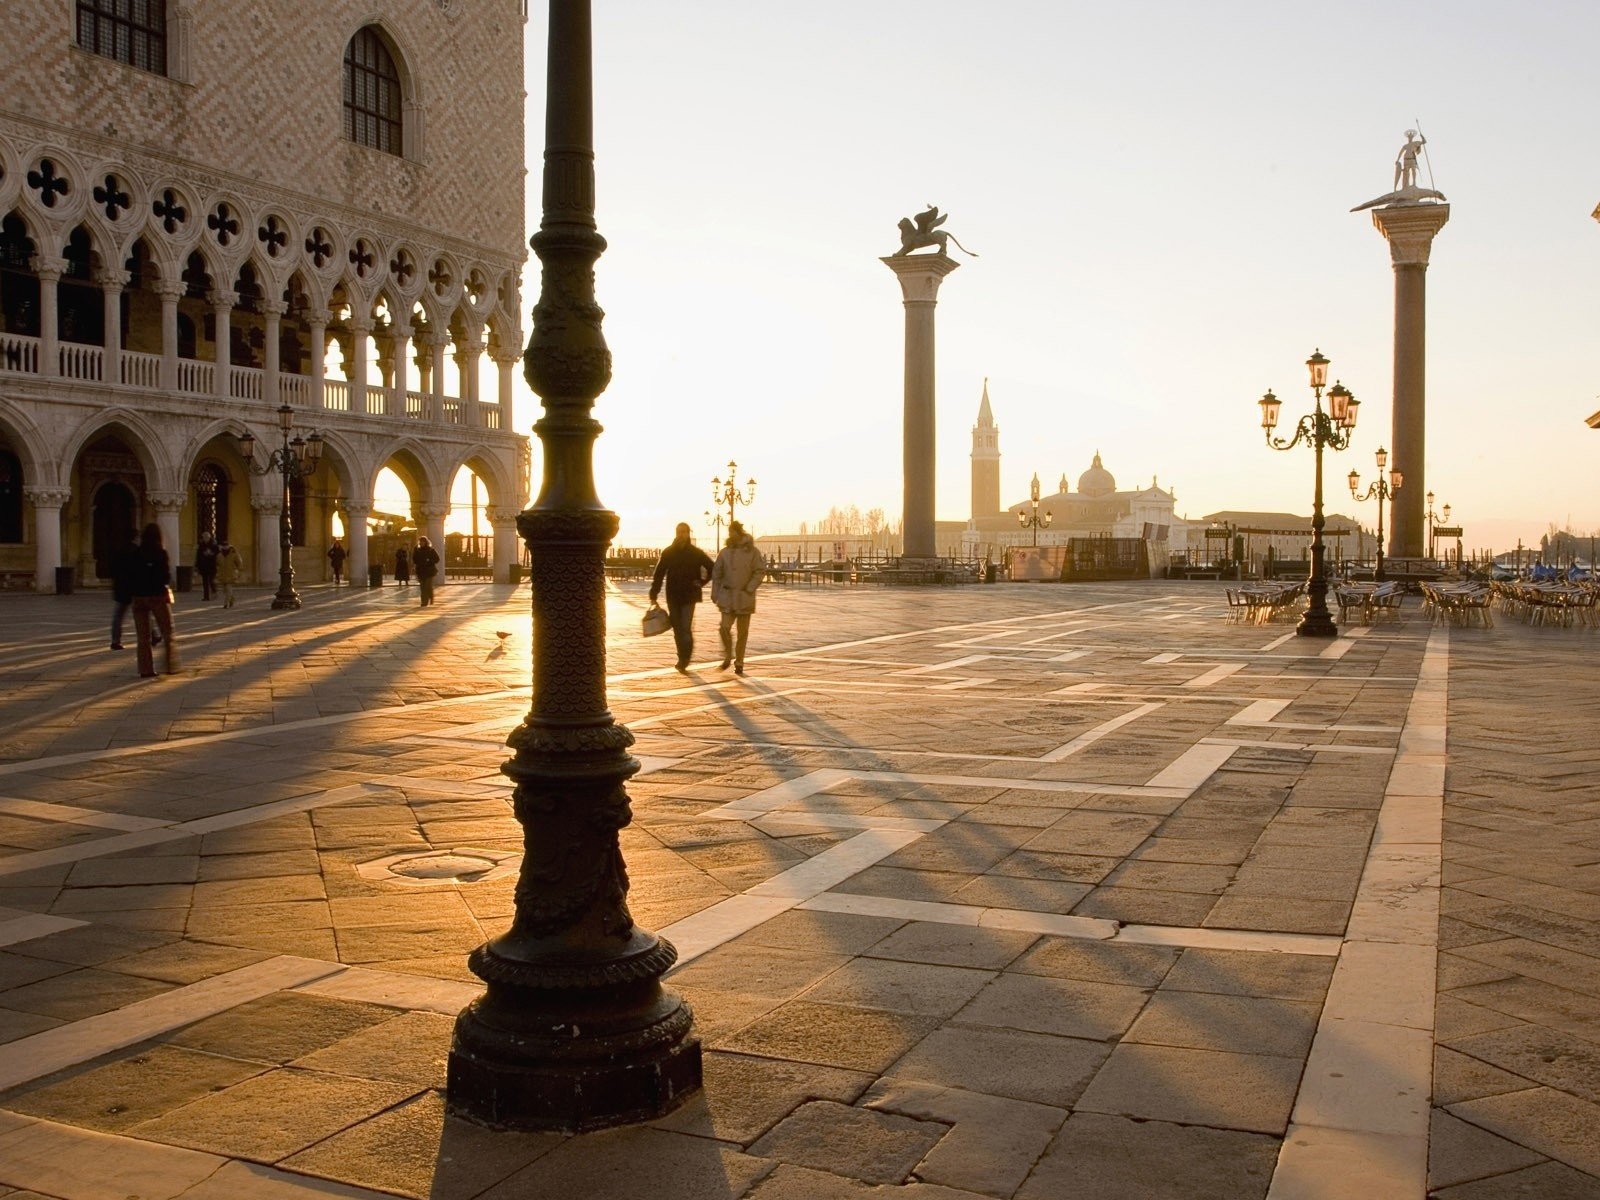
(112, 281)
(222, 301)
(356, 509)
(49, 268)
(267, 504)
(431, 512)
(46, 496)
(167, 501)
(273, 309)
(501, 517)
(169, 291)
(920, 275)
(1410, 229)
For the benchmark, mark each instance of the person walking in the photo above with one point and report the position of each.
(124, 559)
(229, 568)
(402, 567)
(426, 561)
(336, 557)
(686, 569)
(205, 564)
(734, 579)
(151, 585)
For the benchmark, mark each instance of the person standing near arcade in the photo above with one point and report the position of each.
(425, 561)
(686, 569)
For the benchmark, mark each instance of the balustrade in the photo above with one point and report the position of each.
(80, 362)
(247, 383)
(336, 395)
(18, 352)
(489, 415)
(195, 376)
(141, 370)
(417, 405)
(294, 390)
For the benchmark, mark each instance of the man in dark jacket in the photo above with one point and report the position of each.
(686, 569)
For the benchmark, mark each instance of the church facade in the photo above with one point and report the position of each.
(212, 210)
(1097, 508)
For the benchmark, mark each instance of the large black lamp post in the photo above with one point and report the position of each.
(1381, 490)
(575, 1030)
(1034, 521)
(1317, 429)
(297, 458)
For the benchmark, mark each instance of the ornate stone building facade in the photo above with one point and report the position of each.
(208, 210)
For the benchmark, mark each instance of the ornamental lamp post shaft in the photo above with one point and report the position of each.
(1318, 429)
(296, 459)
(1382, 489)
(574, 1030)
(1034, 522)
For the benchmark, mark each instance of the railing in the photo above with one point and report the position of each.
(294, 390)
(195, 376)
(247, 383)
(140, 369)
(18, 352)
(80, 362)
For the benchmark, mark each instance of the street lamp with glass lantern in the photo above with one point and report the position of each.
(1034, 521)
(1382, 489)
(1442, 518)
(726, 491)
(296, 459)
(1317, 429)
(714, 518)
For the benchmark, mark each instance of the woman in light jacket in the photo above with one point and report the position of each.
(737, 574)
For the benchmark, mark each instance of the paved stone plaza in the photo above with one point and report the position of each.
(984, 892)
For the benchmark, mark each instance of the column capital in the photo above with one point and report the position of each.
(431, 512)
(499, 517)
(273, 308)
(167, 501)
(506, 356)
(48, 266)
(266, 504)
(317, 318)
(359, 326)
(221, 300)
(112, 280)
(47, 496)
(169, 289)
(1410, 229)
(920, 274)
(356, 508)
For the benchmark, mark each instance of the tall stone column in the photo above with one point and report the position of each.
(111, 285)
(47, 505)
(1410, 229)
(574, 1030)
(267, 553)
(920, 276)
(222, 305)
(355, 366)
(504, 523)
(271, 388)
(49, 270)
(170, 294)
(317, 335)
(168, 505)
(355, 540)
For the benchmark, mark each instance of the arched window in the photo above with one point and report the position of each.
(130, 31)
(10, 497)
(372, 103)
(211, 501)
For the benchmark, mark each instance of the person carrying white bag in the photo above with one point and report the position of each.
(686, 569)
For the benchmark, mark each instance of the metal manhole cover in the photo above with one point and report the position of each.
(461, 865)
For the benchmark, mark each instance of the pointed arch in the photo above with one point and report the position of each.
(29, 444)
(140, 436)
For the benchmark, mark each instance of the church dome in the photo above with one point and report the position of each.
(1097, 481)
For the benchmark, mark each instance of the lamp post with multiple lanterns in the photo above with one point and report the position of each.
(726, 491)
(1442, 518)
(296, 459)
(1381, 490)
(1033, 521)
(1319, 430)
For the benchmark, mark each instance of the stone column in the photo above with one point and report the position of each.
(506, 360)
(430, 521)
(111, 285)
(266, 510)
(399, 353)
(47, 505)
(355, 540)
(506, 546)
(49, 270)
(168, 505)
(170, 294)
(317, 332)
(355, 365)
(437, 344)
(1410, 229)
(920, 276)
(273, 311)
(222, 373)
(467, 353)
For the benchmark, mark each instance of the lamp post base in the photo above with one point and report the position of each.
(285, 602)
(1317, 624)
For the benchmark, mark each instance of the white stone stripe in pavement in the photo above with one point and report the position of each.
(1360, 1123)
(30, 1057)
(1090, 737)
(19, 926)
(40, 810)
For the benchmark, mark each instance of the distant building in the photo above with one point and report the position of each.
(1286, 537)
(1096, 509)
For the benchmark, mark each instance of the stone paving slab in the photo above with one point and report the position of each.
(990, 891)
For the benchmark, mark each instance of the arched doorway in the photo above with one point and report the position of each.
(115, 515)
(10, 498)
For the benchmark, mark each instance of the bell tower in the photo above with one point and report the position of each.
(985, 460)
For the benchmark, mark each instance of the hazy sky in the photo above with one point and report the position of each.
(1158, 192)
